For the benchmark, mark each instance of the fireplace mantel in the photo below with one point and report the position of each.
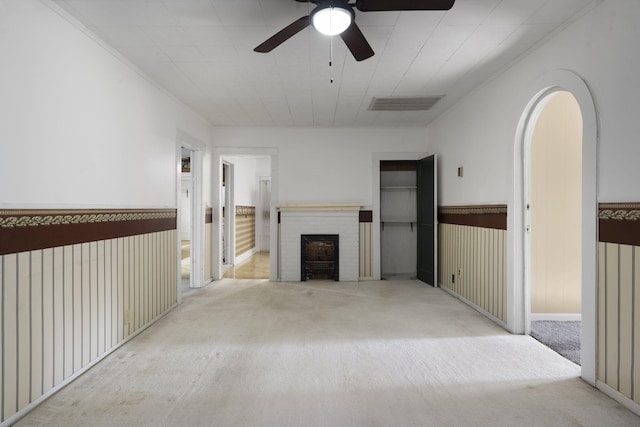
(317, 208)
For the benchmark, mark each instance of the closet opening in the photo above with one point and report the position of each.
(398, 219)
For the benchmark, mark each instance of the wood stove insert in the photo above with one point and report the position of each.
(319, 257)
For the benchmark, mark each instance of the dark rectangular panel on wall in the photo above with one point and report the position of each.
(619, 223)
(486, 216)
(27, 230)
(365, 216)
(208, 216)
(398, 165)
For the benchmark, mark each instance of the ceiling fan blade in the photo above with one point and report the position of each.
(283, 35)
(390, 5)
(357, 43)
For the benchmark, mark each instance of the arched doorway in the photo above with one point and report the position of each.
(553, 218)
(519, 293)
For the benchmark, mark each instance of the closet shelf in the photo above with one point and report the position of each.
(406, 187)
(408, 222)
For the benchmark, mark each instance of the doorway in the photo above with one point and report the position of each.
(227, 194)
(554, 210)
(190, 225)
(246, 224)
(518, 259)
(186, 210)
(408, 211)
(269, 168)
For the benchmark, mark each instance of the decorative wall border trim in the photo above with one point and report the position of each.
(317, 208)
(619, 223)
(27, 230)
(245, 211)
(485, 216)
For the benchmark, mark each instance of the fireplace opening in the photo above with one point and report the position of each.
(319, 256)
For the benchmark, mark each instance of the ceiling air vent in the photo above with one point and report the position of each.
(395, 103)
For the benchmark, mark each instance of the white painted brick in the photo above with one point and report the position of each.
(343, 223)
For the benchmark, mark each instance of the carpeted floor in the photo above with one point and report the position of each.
(396, 353)
(562, 337)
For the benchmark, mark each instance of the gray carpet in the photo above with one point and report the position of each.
(562, 337)
(252, 353)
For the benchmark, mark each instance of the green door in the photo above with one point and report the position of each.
(427, 239)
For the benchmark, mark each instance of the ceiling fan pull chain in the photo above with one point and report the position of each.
(331, 56)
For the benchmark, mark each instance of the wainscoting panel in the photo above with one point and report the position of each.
(366, 245)
(619, 298)
(366, 261)
(472, 255)
(245, 229)
(65, 307)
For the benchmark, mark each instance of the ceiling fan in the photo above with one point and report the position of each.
(333, 17)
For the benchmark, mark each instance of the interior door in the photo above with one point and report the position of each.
(427, 220)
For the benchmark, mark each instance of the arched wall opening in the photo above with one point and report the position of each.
(552, 192)
(519, 295)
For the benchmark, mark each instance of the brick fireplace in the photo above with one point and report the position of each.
(341, 221)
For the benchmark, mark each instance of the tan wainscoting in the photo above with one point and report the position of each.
(475, 258)
(366, 255)
(619, 299)
(245, 229)
(365, 218)
(65, 307)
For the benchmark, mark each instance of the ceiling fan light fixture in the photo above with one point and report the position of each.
(332, 20)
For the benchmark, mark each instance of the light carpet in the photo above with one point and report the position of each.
(388, 353)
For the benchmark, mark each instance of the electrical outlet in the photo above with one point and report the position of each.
(453, 278)
(127, 316)
(459, 272)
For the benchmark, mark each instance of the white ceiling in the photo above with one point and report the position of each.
(202, 52)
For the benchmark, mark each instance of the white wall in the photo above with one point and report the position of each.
(323, 165)
(478, 133)
(79, 126)
(244, 180)
(263, 166)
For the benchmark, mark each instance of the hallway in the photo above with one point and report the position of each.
(389, 353)
(256, 267)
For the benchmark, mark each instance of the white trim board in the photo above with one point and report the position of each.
(556, 317)
(631, 405)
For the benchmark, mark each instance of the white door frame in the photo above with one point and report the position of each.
(518, 292)
(216, 165)
(197, 148)
(228, 200)
(260, 240)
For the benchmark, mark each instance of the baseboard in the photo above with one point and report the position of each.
(244, 256)
(474, 306)
(631, 405)
(556, 317)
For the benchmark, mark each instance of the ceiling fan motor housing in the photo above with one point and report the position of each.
(320, 13)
